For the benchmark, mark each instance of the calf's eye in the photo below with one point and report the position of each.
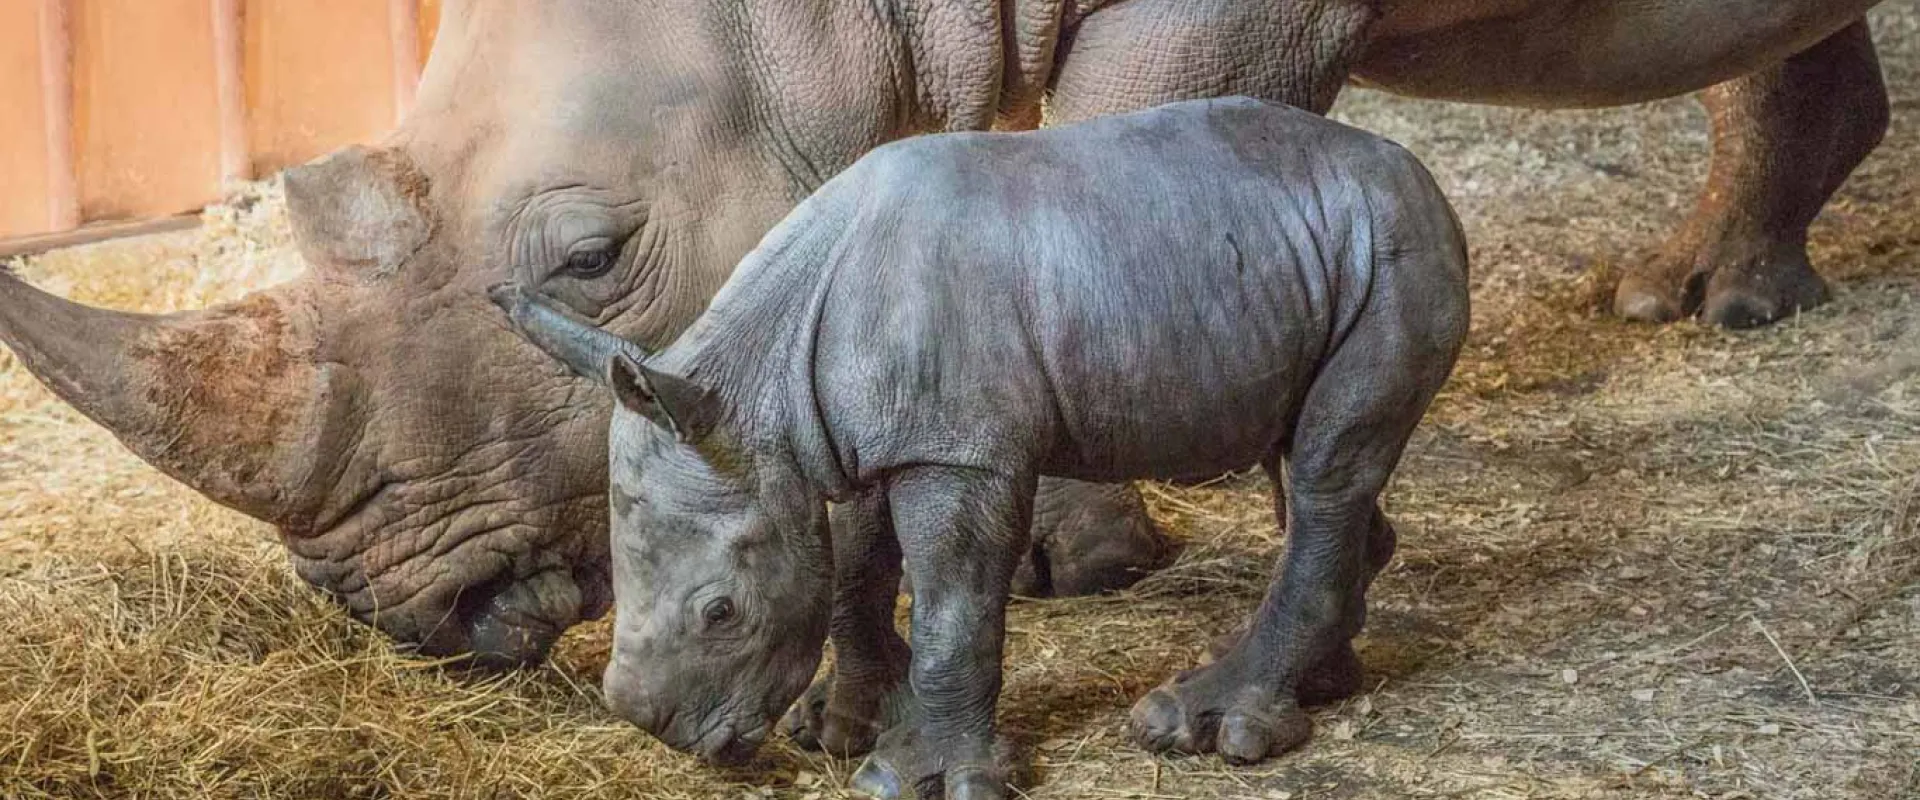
(719, 611)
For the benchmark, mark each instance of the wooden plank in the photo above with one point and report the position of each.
(97, 232)
(319, 76)
(403, 28)
(56, 100)
(230, 90)
(145, 107)
(23, 136)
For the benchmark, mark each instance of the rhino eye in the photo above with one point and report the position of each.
(719, 611)
(592, 262)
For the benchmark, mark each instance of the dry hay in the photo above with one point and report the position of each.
(1635, 562)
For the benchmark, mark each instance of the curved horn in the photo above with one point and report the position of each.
(219, 399)
(585, 349)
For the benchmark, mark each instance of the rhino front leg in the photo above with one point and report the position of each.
(1784, 139)
(866, 692)
(1089, 538)
(1085, 538)
(962, 532)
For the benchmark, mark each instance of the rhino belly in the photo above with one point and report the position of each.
(1551, 54)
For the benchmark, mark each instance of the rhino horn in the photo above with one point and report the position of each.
(220, 399)
(583, 347)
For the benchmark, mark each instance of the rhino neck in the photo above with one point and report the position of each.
(974, 65)
(755, 345)
(888, 70)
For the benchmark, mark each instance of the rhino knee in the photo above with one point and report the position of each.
(1094, 538)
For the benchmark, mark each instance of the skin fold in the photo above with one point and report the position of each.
(1191, 289)
(445, 482)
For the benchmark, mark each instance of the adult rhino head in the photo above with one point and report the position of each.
(442, 478)
(440, 503)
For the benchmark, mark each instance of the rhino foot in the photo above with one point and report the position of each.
(1784, 139)
(851, 726)
(1334, 678)
(904, 764)
(1760, 291)
(1656, 295)
(1218, 709)
(1760, 285)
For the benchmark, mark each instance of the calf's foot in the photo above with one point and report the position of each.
(845, 718)
(904, 764)
(1335, 677)
(1218, 708)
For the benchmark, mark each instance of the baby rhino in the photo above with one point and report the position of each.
(1173, 293)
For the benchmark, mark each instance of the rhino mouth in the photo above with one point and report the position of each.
(499, 634)
(723, 747)
(489, 580)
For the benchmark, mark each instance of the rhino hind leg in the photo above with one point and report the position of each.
(1359, 412)
(1101, 68)
(1336, 675)
(1784, 139)
(866, 691)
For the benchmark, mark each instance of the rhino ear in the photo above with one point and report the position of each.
(674, 403)
(359, 209)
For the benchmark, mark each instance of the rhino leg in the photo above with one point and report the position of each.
(1104, 540)
(1089, 538)
(866, 691)
(1784, 139)
(962, 531)
(1355, 421)
(1336, 676)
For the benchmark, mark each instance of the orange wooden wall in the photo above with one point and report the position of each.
(171, 98)
(23, 133)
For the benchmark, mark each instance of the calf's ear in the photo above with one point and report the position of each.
(680, 406)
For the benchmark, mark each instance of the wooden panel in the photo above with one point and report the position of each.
(403, 33)
(23, 137)
(146, 115)
(429, 24)
(97, 232)
(319, 76)
(167, 96)
(230, 90)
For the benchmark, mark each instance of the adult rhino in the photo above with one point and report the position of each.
(446, 481)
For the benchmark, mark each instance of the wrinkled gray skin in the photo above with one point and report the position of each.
(1187, 290)
(444, 481)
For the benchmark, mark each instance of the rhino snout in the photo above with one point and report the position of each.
(627, 701)
(712, 736)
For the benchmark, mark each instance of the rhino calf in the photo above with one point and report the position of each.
(1182, 291)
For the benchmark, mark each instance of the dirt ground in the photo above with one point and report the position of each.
(1635, 561)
